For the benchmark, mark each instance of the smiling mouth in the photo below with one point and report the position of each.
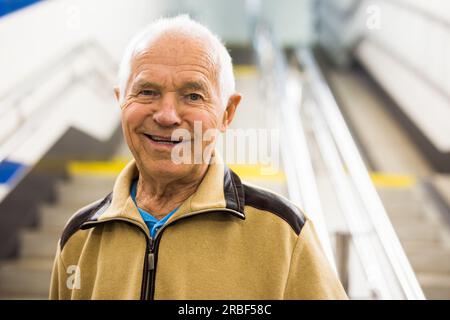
(164, 140)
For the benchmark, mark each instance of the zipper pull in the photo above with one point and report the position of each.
(150, 243)
(151, 261)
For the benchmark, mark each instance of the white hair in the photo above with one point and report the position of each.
(185, 25)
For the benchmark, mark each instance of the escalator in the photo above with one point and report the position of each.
(390, 151)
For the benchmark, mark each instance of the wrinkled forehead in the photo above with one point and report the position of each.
(178, 50)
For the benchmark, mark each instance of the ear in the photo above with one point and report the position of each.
(228, 116)
(117, 93)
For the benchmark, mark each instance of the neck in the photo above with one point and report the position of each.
(160, 196)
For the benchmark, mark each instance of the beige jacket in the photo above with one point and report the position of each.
(228, 240)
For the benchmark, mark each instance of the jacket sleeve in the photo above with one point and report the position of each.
(58, 287)
(310, 275)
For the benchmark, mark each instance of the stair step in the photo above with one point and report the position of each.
(423, 233)
(402, 203)
(41, 243)
(405, 211)
(87, 180)
(442, 183)
(436, 261)
(29, 276)
(399, 195)
(54, 214)
(412, 246)
(55, 217)
(22, 296)
(398, 220)
(91, 192)
(82, 190)
(435, 286)
(414, 221)
(80, 198)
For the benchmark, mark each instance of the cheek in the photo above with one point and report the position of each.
(132, 118)
(210, 126)
(209, 118)
(134, 115)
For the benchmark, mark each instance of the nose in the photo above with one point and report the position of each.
(167, 115)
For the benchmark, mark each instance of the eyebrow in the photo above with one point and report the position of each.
(145, 84)
(190, 85)
(194, 85)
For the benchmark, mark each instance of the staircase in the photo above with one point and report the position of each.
(424, 237)
(420, 227)
(28, 276)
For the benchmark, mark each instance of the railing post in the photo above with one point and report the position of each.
(342, 257)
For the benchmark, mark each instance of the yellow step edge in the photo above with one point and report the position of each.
(259, 172)
(96, 168)
(113, 167)
(245, 70)
(392, 180)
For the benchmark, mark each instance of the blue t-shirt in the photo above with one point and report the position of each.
(152, 223)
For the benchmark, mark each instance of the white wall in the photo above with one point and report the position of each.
(292, 20)
(31, 38)
(407, 52)
(38, 106)
(418, 74)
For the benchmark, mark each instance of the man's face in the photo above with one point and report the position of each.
(173, 83)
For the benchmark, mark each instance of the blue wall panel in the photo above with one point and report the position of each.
(8, 169)
(9, 6)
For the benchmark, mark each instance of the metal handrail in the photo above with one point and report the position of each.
(33, 81)
(27, 124)
(302, 186)
(361, 179)
(12, 101)
(370, 230)
(359, 230)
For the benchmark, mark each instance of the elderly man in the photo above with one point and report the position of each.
(189, 230)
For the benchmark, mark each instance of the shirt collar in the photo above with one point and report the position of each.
(221, 189)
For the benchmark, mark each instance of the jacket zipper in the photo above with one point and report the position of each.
(149, 268)
(151, 254)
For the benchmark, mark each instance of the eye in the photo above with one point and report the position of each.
(194, 97)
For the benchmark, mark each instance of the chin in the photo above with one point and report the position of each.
(167, 168)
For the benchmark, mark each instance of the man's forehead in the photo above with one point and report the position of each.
(172, 60)
(194, 80)
(185, 56)
(174, 49)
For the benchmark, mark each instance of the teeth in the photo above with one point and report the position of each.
(162, 140)
(159, 139)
